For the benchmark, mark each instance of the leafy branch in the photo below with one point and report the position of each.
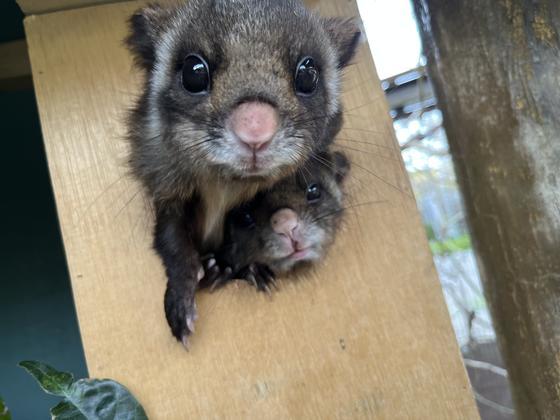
(85, 398)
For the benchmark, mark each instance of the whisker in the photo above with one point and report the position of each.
(367, 152)
(141, 220)
(105, 190)
(323, 161)
(344, 139)
(127, 203)
(199, 142)
(351, 207)
(368, 103)
(365, 130)
(381, 179)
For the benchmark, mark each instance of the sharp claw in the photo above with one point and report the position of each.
(200, 274)
(272, 281)
(211, 263)
(185, 341)
(213, 274)
(252, 279)
(228, 272)
(190, 324)
(267, 290)
(215, 285)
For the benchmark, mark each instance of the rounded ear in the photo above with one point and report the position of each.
(145, 27)
(345, 35)
(341, 165)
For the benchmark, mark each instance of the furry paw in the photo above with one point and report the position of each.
(180, 311)
(215, 275)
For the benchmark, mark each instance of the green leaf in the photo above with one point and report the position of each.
(51, 380)
(4, 412)
(66, 411)
(85, 399)
(105, 399)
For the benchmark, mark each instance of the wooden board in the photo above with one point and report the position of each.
(366, 335)
(32, 7)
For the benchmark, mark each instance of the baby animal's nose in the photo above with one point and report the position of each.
(284, 222)
(254, 123)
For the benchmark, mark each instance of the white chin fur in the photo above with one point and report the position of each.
(232, 155)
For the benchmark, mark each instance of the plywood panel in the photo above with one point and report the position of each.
(31, 7)
(366, 335)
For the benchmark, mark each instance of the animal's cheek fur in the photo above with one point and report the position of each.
(312, 234)
(272, 246)
(187, 143)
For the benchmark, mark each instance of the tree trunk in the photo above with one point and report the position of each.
(496, 69)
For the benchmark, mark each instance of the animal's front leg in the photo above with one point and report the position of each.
(175, 243)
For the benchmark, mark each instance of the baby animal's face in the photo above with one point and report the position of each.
(296, 220)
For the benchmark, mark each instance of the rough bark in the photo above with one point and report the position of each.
(496, 69)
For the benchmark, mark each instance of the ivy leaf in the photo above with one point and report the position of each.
(4, 412)
(51, 380)
(105, 399)
(66, 411)
(86, 398)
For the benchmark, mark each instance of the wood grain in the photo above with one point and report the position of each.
(366, 335)
(32, 7)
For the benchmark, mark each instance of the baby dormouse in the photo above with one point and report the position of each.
(287, 226)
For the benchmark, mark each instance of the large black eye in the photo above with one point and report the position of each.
(196, 76)
(313, 193)
(244, 220)
(307, 77)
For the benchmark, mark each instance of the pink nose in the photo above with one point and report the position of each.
(284, 222)
(254, 123)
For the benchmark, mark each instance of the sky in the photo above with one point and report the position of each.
(392, 34)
